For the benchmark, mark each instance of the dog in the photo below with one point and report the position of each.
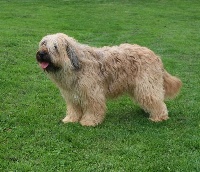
(86, 76)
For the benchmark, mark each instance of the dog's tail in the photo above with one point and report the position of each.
(172, 85)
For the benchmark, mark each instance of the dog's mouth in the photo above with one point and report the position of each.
(44, 65)
(45, 62)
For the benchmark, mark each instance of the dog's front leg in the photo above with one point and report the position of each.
(74, 113)
(94, 113)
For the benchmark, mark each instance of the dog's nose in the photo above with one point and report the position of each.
(41, 54)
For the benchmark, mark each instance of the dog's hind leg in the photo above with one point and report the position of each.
(151, 99)
(74, 113)
(157, 109)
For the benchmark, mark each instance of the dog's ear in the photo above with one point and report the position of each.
(73, 57)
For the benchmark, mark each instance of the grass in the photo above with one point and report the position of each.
(31, 135)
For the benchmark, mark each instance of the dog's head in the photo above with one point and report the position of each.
(55, 52)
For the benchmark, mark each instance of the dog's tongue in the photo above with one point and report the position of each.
(44, 65)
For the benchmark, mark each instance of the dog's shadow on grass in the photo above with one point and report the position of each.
(123, 112)
(126, 113)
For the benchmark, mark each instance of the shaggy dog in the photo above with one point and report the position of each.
(87, 76)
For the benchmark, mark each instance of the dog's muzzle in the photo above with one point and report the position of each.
(42, 56)
(43, 59)
(45, 62)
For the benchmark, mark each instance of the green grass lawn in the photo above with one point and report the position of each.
(32, 138)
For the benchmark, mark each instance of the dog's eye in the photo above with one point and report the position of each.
(55, 46)
(43, 43)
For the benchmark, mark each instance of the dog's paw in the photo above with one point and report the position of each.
(69, 118)
(159, 118)
(90, 121)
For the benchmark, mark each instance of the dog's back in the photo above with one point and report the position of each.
(123, 65)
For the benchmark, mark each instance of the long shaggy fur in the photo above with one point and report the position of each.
(87, 76)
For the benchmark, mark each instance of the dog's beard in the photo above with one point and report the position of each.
(45, 62)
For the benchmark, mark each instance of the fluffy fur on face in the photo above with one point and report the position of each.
(87, 76)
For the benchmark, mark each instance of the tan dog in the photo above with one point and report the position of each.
(87, 76)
